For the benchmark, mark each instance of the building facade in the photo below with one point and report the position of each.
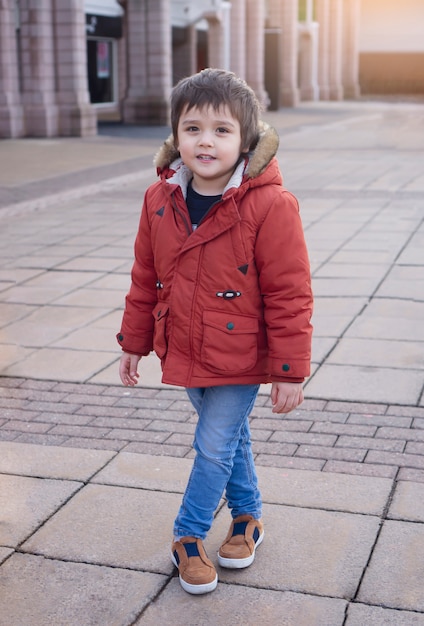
(65, 64)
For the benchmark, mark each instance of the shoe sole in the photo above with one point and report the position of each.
(240, 563)
(196, 589)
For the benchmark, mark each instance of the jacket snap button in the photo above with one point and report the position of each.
(121, 337)
(230, 325)
(285, 367)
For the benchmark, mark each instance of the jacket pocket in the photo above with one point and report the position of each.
(160, 342)
(230, 342)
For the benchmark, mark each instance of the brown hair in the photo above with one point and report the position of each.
(216, 88)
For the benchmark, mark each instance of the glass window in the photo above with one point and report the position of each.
(100, 70)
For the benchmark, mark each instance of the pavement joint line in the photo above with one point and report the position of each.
(45, 202)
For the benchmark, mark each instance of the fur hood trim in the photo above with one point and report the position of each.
(258, 159)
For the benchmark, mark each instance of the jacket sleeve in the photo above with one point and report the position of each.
(136, 334)
(285, 283)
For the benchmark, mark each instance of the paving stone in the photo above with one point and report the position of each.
(347, 382)
(380, 420)
(109, 526)
(280, 424)
(71, 430)
(410, 434)
(300, 545)
(274, 460)
(394, 577)
(357, 407)
(5, 553)
(416, 475)
(414, 447)
(27, 427)
(307, 438)
(160, 449)
(36, 591)
(395, 458)
(408, 411)
(169, 425)
(274, 447)
(76, 365)
(241, 606)
(378, 353)
(361, 615)
(41, 440)
(343, 429)
(161, 473)
(360, 469)
(336, 492)
(130, 434)
(19, 414)
(179, 439)
(63, 418)
(370, 443)
(408, 502)
(93, 444)
(51, 462)
(27, 502)
(324, 452)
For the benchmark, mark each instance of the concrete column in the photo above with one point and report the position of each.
(308, 61)
(219, 36)
(350, 72)
(336, 50)
(149, 62)
(238, 38)
(289, 24)
(255, 49)
(322, 9)
(11, 111)
(38, 68)
(216, 55)
(192, 42)
(76, 115)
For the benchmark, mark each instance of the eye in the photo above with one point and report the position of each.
(192, 129)
(221, 130)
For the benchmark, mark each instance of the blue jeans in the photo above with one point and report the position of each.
(224, 459)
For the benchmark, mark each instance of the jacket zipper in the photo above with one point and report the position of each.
(199, 265)
(183, 217)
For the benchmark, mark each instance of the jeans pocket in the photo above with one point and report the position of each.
(230, 342)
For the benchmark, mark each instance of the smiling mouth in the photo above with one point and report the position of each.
(205, 157)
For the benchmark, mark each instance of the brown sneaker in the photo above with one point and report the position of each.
(244, 536)
(197, 572)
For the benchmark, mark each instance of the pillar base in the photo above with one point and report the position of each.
(352, 92)
(290, 97)
(146, 111)
(77, 121)
(11, 122)
(336, 93)
(41, 121)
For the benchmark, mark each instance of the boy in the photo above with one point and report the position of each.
(221, 292)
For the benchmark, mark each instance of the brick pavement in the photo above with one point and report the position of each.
(330, 436)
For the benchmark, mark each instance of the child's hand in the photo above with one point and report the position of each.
(128, 369)
(286, 396)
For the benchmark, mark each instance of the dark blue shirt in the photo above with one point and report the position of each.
(198, 205)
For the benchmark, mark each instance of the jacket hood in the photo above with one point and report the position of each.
(168, 156)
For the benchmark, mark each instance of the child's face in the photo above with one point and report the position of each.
(209, 142)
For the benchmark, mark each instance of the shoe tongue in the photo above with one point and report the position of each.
(239, 528)
(191, 549)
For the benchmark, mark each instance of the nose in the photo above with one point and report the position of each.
(206, 138)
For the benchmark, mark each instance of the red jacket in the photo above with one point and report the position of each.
(231, 302)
